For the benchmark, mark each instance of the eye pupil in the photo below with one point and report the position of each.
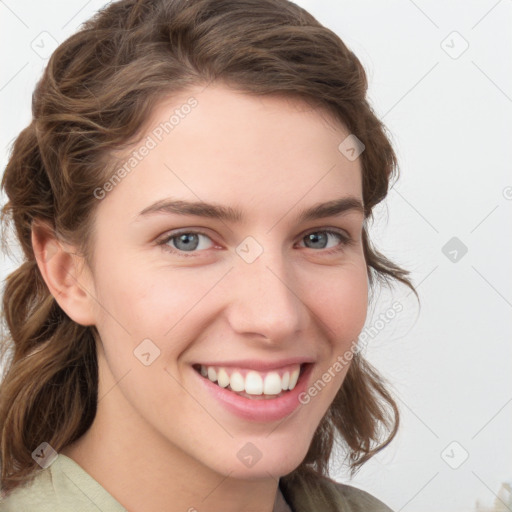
(316, 237)
(185, 239)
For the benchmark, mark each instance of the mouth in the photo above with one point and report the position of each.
(253, 384)
(267, 395)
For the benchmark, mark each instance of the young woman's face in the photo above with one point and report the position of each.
(250, 284)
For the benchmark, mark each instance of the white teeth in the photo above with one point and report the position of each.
(223, 378)
(272, 384)
(212, 374)
(286, 380)
(294, 377)
(237, 382)
(254, 382)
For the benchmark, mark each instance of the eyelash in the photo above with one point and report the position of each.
(345, 241)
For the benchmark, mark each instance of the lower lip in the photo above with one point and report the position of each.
(265, 410)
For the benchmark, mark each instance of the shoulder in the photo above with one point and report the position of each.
(357, 499)
(315, 493)
(61, 487)
(35, 494)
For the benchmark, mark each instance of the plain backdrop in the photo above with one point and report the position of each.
(440, 75)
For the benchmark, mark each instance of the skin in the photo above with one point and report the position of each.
(158, 442)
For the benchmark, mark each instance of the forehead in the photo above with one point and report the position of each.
(225, 146)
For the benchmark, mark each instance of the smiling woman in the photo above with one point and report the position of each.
(186, 338)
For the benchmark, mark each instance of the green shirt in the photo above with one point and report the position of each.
(65, 487)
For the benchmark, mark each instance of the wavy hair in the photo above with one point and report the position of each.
(96, 92)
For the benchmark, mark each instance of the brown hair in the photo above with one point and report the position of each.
(96, 92)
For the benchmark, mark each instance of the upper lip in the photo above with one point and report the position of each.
(259, 365)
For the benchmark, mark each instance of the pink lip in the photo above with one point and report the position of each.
(260, 366)
(272, 409)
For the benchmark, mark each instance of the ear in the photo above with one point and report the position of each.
(65, 273)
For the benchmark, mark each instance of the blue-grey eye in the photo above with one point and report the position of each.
(319, 239)
(188, 241)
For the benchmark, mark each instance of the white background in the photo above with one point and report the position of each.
(450, 122)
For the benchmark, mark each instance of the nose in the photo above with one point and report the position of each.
(265, 299)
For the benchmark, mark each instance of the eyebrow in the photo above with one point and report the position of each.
(227, 213)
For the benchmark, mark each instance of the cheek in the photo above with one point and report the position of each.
(342, 303)
(146, 303)
(343, 310)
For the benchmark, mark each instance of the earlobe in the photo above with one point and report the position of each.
(65, 274)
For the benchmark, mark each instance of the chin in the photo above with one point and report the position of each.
(253, 463)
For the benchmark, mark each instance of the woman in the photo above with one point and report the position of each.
(191, 198)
